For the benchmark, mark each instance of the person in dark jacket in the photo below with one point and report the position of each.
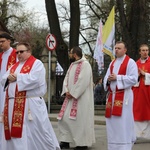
(99, 92)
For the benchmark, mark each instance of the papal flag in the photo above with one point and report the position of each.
(109, 34)
(98, 52)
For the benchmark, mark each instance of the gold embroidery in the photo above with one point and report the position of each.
(26, 68)
(6, 119)
(109, 104)
(17, 119)
(118, 103)
(12, 61)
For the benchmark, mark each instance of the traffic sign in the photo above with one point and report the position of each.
(51, 42)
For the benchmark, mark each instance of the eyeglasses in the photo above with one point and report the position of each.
(21, 51)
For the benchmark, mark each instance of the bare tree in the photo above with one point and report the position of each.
(3, 27)
(133, 24)
(74, 23)
(62, 47)
(14, 16)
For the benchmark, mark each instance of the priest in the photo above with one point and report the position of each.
(7, 59)
(141, 90)
(76, 117)
(26, 125)
(121, 75)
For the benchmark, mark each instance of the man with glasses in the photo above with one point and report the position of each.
(26, 122)
(7, 59)
(141, 91)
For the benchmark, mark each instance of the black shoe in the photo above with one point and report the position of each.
(81, 148)
(64, 145)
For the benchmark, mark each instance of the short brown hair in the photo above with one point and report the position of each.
(27, 45)
(77, 50)
(6, 36)
(142, 45)
(119, 42)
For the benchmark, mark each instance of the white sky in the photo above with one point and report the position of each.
(38, 6)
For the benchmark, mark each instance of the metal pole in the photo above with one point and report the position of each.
(49, 82)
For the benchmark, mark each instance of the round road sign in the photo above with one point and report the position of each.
(51, 42)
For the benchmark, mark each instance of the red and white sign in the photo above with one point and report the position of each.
(51, 42)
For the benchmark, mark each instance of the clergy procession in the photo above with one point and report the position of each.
(24, 121)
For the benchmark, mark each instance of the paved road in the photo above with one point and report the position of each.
(101, 139)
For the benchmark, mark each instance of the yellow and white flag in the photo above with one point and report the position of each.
(98, 52)
(109, 35)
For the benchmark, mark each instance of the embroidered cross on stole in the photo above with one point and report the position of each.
(11, 59)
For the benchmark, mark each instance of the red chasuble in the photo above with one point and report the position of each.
(11, 59)
(19, 105)
(141, 105)
(119, 94)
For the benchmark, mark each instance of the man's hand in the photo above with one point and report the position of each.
(68, 95)
(12, 78)
(112, 77)
(141, 72)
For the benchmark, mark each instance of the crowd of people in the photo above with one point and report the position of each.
(24, 122)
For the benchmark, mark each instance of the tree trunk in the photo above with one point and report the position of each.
(3, 27)
(126, 35)
(74, 23)
(62, 48)
(134, 28)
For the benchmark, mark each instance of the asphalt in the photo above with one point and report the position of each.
(101, 136)
(99, 120)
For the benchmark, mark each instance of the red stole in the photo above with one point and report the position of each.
(19, 105)
(11, 59)
(119, 94)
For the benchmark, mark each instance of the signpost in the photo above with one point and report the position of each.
(51, 42)
(51, 45)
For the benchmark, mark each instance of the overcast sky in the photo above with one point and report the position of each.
(39, 6)
(36, 4)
